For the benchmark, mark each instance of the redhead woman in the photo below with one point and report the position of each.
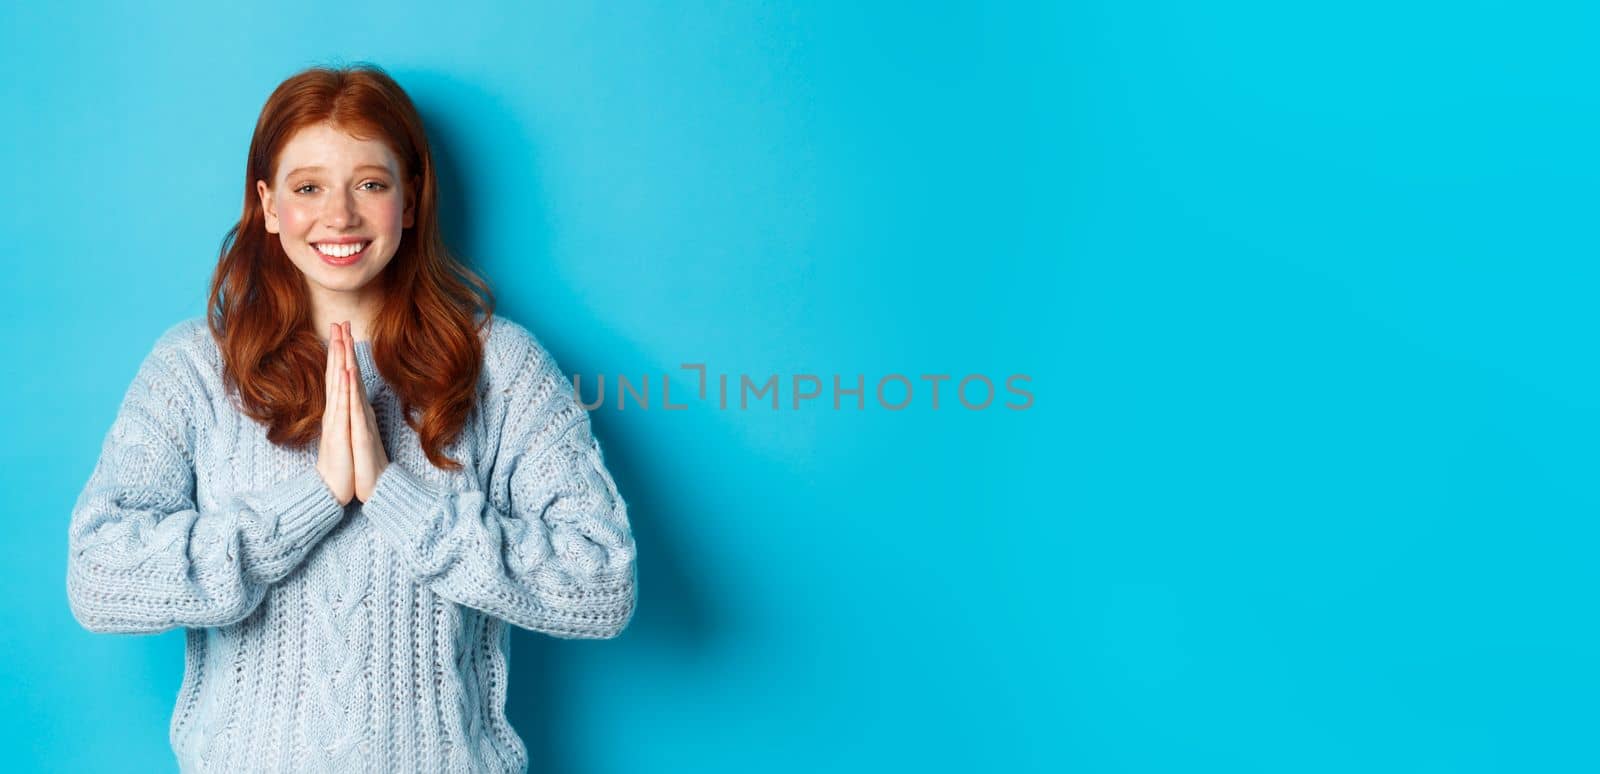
(350, 475)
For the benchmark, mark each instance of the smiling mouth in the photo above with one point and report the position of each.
(342, 254)
(334, 250)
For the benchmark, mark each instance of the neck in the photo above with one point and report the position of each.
(357, 307)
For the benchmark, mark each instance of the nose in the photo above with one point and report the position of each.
(340, 211)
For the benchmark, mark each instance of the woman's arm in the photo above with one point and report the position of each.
(142, 557)
(548, 547)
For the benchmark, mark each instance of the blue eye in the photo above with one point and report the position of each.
(303, 188)
(380, 186)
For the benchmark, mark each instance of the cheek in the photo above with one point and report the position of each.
(388, 214)
(295, 220)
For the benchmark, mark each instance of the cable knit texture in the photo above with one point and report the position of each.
(369, 637)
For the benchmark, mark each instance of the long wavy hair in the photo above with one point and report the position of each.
(426, 336)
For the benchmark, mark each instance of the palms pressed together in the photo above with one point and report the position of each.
(350, 456)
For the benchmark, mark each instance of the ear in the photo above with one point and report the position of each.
(269, 208)
(409, 219)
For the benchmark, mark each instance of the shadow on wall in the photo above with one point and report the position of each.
(674, 617)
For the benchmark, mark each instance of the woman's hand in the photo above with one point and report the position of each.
(335, 463)
(366, 443)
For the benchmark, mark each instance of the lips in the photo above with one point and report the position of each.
(341, 247)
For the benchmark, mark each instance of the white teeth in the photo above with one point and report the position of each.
(341, 251)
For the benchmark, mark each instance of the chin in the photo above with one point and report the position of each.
(343, 284)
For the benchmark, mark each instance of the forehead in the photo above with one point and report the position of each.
(333, 151)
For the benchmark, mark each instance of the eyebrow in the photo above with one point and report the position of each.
(301, 170)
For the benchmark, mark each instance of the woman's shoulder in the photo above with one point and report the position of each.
(176, 371)
(526, 382)
(511, 351)
(185, 345)
(186, 334)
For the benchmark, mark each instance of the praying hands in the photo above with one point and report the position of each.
(350, 456)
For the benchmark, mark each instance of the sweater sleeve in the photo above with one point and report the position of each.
(548, 546)
(142, 557)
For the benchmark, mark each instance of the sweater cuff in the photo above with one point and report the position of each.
(304, 505)
(401, 503)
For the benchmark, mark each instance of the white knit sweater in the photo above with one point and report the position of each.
(369, 637)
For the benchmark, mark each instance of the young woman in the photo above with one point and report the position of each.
(348, 476)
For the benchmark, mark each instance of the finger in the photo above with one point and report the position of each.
(331, 393)
(360, 395)
(330, 377)
(350, 395)
(359, 431)
(334, 349)
(345, 363)
(350, 350)
(341, 410)
(347, 354)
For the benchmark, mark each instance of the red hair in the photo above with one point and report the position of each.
(259, 308)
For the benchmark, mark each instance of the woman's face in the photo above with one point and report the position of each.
(335, 194)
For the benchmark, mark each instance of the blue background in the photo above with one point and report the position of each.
(1306, 291)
